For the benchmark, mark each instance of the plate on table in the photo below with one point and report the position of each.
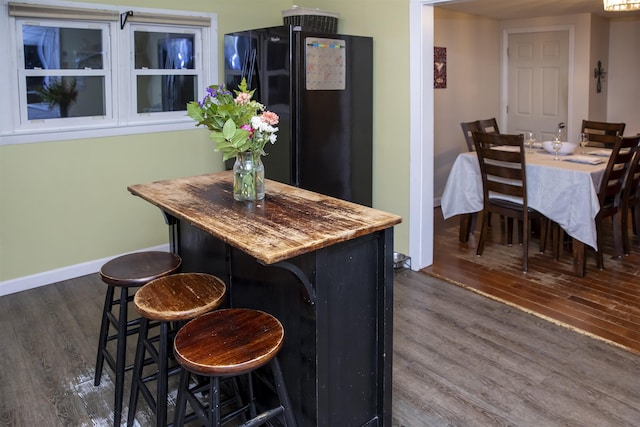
(584, 159)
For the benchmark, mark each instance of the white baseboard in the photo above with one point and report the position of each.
(53, 276)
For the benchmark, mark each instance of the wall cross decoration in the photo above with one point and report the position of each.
(599, 74)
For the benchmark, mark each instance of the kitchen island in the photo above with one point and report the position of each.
(322, 266)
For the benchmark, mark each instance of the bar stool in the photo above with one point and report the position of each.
(170, 301)
(223, 344)
(127, 271)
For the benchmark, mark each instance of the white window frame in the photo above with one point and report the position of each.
(133, 73)
(21, 122)
(121, 116)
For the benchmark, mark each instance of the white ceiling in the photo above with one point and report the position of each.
(515, 9)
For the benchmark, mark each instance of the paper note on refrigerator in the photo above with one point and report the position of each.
(325, 63)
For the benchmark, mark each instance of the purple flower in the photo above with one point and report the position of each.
(220, 91)
(204, 101)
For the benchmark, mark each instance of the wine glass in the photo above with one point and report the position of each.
(556, 144)
(584, 138)
(531, 138)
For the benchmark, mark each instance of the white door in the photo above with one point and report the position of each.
(538, 73)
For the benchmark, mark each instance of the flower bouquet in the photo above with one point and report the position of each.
(240, 127)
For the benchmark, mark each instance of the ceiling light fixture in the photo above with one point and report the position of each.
(621, 5)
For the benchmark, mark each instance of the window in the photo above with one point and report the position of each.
(75, 70)
(165, 72)
(62, 71)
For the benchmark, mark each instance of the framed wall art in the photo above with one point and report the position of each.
(439, 67)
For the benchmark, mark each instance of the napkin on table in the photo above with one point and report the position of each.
(510, 148)
(604, 152)
(584, 159)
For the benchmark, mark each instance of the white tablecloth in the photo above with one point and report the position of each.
(563, 191)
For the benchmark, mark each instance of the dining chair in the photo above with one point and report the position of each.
(468, 222)
(504, 185)
(489, 125)
(602, 134)
(467, 129)
(630, 198)
(610, 192)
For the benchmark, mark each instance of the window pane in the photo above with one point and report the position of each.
(163, 51)
(165, 93)
(59, 97)
(56, 48)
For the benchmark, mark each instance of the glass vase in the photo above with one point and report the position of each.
(248, 177)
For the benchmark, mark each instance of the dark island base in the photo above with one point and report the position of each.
(336, 305)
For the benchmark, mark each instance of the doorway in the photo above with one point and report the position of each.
(538, 81)
(421, 29)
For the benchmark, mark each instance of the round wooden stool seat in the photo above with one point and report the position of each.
(228, 342)
(139, 268)
(180, 296)
(170, 301)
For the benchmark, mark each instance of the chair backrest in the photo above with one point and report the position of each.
(502, 168)
(468, 128)
(631, 188)
(489, 125)
(615, 173)
(602, 134)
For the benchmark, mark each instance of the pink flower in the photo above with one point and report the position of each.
(248, 128)
(270, 118)
(243, 98)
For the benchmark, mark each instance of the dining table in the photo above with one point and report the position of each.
(564, 190)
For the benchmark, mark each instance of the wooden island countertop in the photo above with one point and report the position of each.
(290, 221)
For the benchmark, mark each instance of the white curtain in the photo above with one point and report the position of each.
(49, 49)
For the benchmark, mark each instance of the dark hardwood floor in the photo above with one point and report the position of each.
(460, 359)
(604, 304)
(49, 340)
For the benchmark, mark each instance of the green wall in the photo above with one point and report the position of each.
(65, 203)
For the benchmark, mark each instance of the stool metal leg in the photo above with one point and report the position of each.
(162, 376)
(181, 399)
(104, 333)
(214, 402)
(138, 365)
(281, 388)
(120, 356)
(252, 397)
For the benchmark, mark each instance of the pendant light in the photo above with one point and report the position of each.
(621, 5)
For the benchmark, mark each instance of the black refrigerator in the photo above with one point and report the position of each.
(321, 87)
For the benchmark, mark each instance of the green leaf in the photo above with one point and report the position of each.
(195, 112)
(216, 137)
(241, 140)
(228, 155)
(229, 129)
